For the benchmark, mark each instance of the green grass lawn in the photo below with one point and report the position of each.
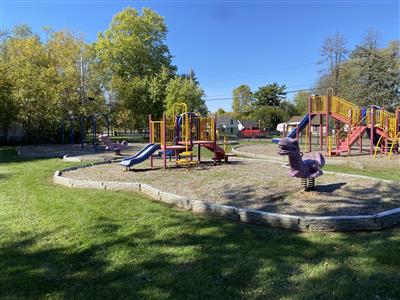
(377, 172)
(57, 242)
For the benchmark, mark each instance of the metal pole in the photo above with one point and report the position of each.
(164, 133)
(328, 100)
(62, 132)
(150, 140)
(71, 131)
(94, 133)
(309, 124)
(372, 127)
(81, 130)
(215, 140)
(321, 138)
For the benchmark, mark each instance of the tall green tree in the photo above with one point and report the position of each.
(269, 117)
(301, 102)
(378, 71)
(181, 90)
(270, 95)
(134, 62)
(8, 108)
(242, 100)
(133, 45)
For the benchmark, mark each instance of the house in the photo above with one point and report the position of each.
(294, 121)
(227, 125)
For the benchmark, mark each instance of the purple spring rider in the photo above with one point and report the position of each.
(117, 147)
(307, 169)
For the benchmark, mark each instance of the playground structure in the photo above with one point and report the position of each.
(177, 135)
(307, 168)
(82, 119)
(350, 124)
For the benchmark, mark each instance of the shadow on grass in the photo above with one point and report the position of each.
(9, 155)
(226, 261)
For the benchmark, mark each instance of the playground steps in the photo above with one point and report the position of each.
(345, 144)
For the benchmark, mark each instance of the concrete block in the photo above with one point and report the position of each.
(86, 184)
(61, 181)
(150, 191)
(340, 223)
(170, 198)
(119, 186)
(184, 203)
(270, 219)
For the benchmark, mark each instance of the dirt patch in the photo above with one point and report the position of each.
(257, 184)
(85, 154)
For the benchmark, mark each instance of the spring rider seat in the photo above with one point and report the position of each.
(117, 146)
(307, 168)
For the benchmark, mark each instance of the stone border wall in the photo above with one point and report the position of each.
(299, 223)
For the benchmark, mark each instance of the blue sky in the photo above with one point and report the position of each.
(228, 43)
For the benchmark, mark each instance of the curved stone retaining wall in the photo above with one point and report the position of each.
(299, 223)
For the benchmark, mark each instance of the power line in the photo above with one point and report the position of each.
(260, 74)
(288, 92)
(223, 95)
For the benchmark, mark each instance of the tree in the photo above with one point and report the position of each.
(191, 75)
(288, 108)
(220, 112)
(269, 116)
(378, 76)
(334, 52)
(133, 45)
(7, 103)
(134, 62)
(301, 102)
(181, 90)
(270, 95)
(242, 100)
(125, 120)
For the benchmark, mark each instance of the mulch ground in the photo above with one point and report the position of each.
(257, 184)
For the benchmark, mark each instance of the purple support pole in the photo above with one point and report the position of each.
(397, 121)
(150, 140)
(198, 153)
(164, 141)
(349, 131)
(215, 140)
(328, 100)
(309, 124)
(372, 127)
(321, 132)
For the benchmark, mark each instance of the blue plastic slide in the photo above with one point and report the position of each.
(303, 123)
(141, 156)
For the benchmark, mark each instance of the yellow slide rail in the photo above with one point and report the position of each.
(380, 117)
(377, 146)
(157, 130)
(203, 129)
(318, 104)
(337, 105)
(343, 108)
(395, 141)
(330, 145)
